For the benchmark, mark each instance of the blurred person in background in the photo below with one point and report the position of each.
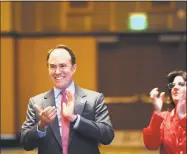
(167, 129)
(66, 119)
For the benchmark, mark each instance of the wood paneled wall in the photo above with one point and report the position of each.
(8, 72)
(103, 17)
(136, 64)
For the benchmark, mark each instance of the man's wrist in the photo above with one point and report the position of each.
(73, 119)
(42, 126)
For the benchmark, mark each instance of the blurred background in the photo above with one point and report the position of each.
(123, 50)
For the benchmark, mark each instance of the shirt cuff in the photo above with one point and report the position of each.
(77, 121)
(41, 133)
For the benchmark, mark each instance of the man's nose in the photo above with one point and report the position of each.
(57, 71)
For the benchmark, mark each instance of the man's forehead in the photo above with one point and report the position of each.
(59, 55)
(59, 52)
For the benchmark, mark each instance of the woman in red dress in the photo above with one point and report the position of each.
(167, 129)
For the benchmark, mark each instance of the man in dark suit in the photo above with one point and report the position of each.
(85, 113)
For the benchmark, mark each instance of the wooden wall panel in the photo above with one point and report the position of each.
(127, 69)
(28, 16)
(6, 16)
(76, 23)
(122, 11)
(7, 87)
(17, 16)
(32, 71)
(51, 16)
(55, 17)
(101, 16)
(154, 24)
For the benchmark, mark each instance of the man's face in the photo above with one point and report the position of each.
(60, 68)
(178, 91)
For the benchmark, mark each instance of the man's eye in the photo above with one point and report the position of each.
(52, 66)
(62, 66)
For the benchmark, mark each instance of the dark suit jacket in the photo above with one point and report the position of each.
(94, 127)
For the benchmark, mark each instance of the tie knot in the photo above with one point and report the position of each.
(64, 98)
(63, 92)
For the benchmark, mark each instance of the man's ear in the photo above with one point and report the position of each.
(74, 68)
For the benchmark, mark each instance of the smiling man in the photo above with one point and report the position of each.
(66, 119)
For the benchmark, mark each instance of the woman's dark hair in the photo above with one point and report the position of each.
(73, 58)
(170, 77)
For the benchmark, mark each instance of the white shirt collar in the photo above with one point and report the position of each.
(70, 88)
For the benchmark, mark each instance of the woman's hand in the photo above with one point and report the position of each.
(157, 99)
(181, 109)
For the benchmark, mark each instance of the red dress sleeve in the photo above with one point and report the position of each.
(151, 134)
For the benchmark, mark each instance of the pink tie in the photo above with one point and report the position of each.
(65, 125)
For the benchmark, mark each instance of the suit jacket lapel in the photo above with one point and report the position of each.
(79, 100)
(79, 105)
(49, 100)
